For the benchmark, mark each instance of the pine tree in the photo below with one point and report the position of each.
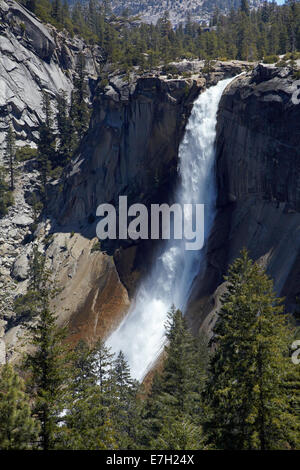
(175, 399)
(245, 7)
(248, 407)
(10, 154)
(178, 433)
(18, 430)
(103, 362)
(57, 11)
(28, 306)
(49, 366)
(46, 146)
(181, 374)
(79, 112)
(65, 132)
(6, 196)
(88, 425)
(124, 409)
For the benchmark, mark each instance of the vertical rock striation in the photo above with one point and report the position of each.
(258, 177)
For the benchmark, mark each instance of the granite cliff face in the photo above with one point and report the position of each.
(131, 148)
(34, 58)
(258, 176)
(200, 10)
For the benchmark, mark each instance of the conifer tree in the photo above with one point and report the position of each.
(245, 7)
(248, 405)
(175, 399)
(28, 306)
(10, 154)
(49, 366)
(18, 430)
(46, 146)
(88, 425)
(80, 113)
(65, 132)
(124, 409)
(103, 363)
(178, 433)
(6, 196)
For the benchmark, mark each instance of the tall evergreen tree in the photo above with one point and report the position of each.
(175, 399)
(46, 146)
(80, 112)
(124, 409)
(245, 7)
(65, 131)
(6, 196)
(248, 405)
(88, 425)
(49, 366)
(18, 430)
(10, 154)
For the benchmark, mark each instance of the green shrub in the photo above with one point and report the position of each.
(6, 200)
(169, 69)
(96, 247)
(48, 240)
(271, 59)
(296, 74)
(281, 63)
(56, 172)
(25, 153)
(292, 56)
(6, 196)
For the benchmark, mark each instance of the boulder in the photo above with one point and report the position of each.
(22, 220)
(20, 268)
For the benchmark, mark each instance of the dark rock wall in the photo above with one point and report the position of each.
(258, 177)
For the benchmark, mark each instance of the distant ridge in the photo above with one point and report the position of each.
(150, 11)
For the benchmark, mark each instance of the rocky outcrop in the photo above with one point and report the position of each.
(132, 149)
(30, 29)
(258, 139)
(132, 145)
(258, 175)
(34, 58)
(201, 11)
(93, 300)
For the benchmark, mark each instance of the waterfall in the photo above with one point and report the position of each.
(141, 334)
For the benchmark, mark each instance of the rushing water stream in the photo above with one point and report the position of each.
(141, 334)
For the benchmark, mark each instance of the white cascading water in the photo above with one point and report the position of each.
(141, 334)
